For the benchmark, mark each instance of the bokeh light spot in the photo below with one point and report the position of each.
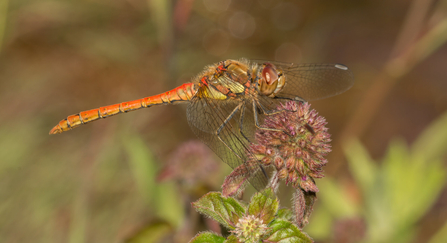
(241, 25)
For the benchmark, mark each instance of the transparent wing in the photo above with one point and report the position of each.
(207, 115)
(314, 81)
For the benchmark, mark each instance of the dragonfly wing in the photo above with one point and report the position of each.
(207, 115)
(314, 81)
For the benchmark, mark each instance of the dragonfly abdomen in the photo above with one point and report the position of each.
(182, 93)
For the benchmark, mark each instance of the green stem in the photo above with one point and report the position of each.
(3, 17)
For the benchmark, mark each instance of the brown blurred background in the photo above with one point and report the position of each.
(96, 183)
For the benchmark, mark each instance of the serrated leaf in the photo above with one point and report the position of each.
(264, 205)
(285, 232)
(226, 211)
(285, 214)
(207, 237)
(232, 239)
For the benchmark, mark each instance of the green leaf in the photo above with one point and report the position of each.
(405, 187)
(207, 237)
(361, 165)
(226, 211)
(232, 239)
(285, 214)
(264, 205)
(141, 163)
(154, 232)
(431, 144)
(336, 199)
(168, 204)
(410, 179)
(163, 196)
(286, 232)
(320, 225)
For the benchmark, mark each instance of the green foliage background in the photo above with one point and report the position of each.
(97, 183)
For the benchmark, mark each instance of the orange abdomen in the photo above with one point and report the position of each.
(182, 93)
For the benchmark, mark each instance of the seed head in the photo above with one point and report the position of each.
(295, 146)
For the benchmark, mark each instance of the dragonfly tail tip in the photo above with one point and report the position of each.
(55, 130)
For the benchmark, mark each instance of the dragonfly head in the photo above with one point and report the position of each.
(272, 80)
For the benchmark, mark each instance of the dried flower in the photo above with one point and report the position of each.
(295, 146)
(302, 206)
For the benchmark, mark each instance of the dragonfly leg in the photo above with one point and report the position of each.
(294, 99)
(264, 111)
(267, 112)
(299, 99)
(271, 112)
(227, 120)
(241, 107)
(241, 123)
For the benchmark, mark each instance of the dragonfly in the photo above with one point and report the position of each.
(227, 101)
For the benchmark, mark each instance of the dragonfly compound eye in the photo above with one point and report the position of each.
(269, 79)
(269, 73)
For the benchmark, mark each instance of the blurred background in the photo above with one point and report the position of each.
(119, 179)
